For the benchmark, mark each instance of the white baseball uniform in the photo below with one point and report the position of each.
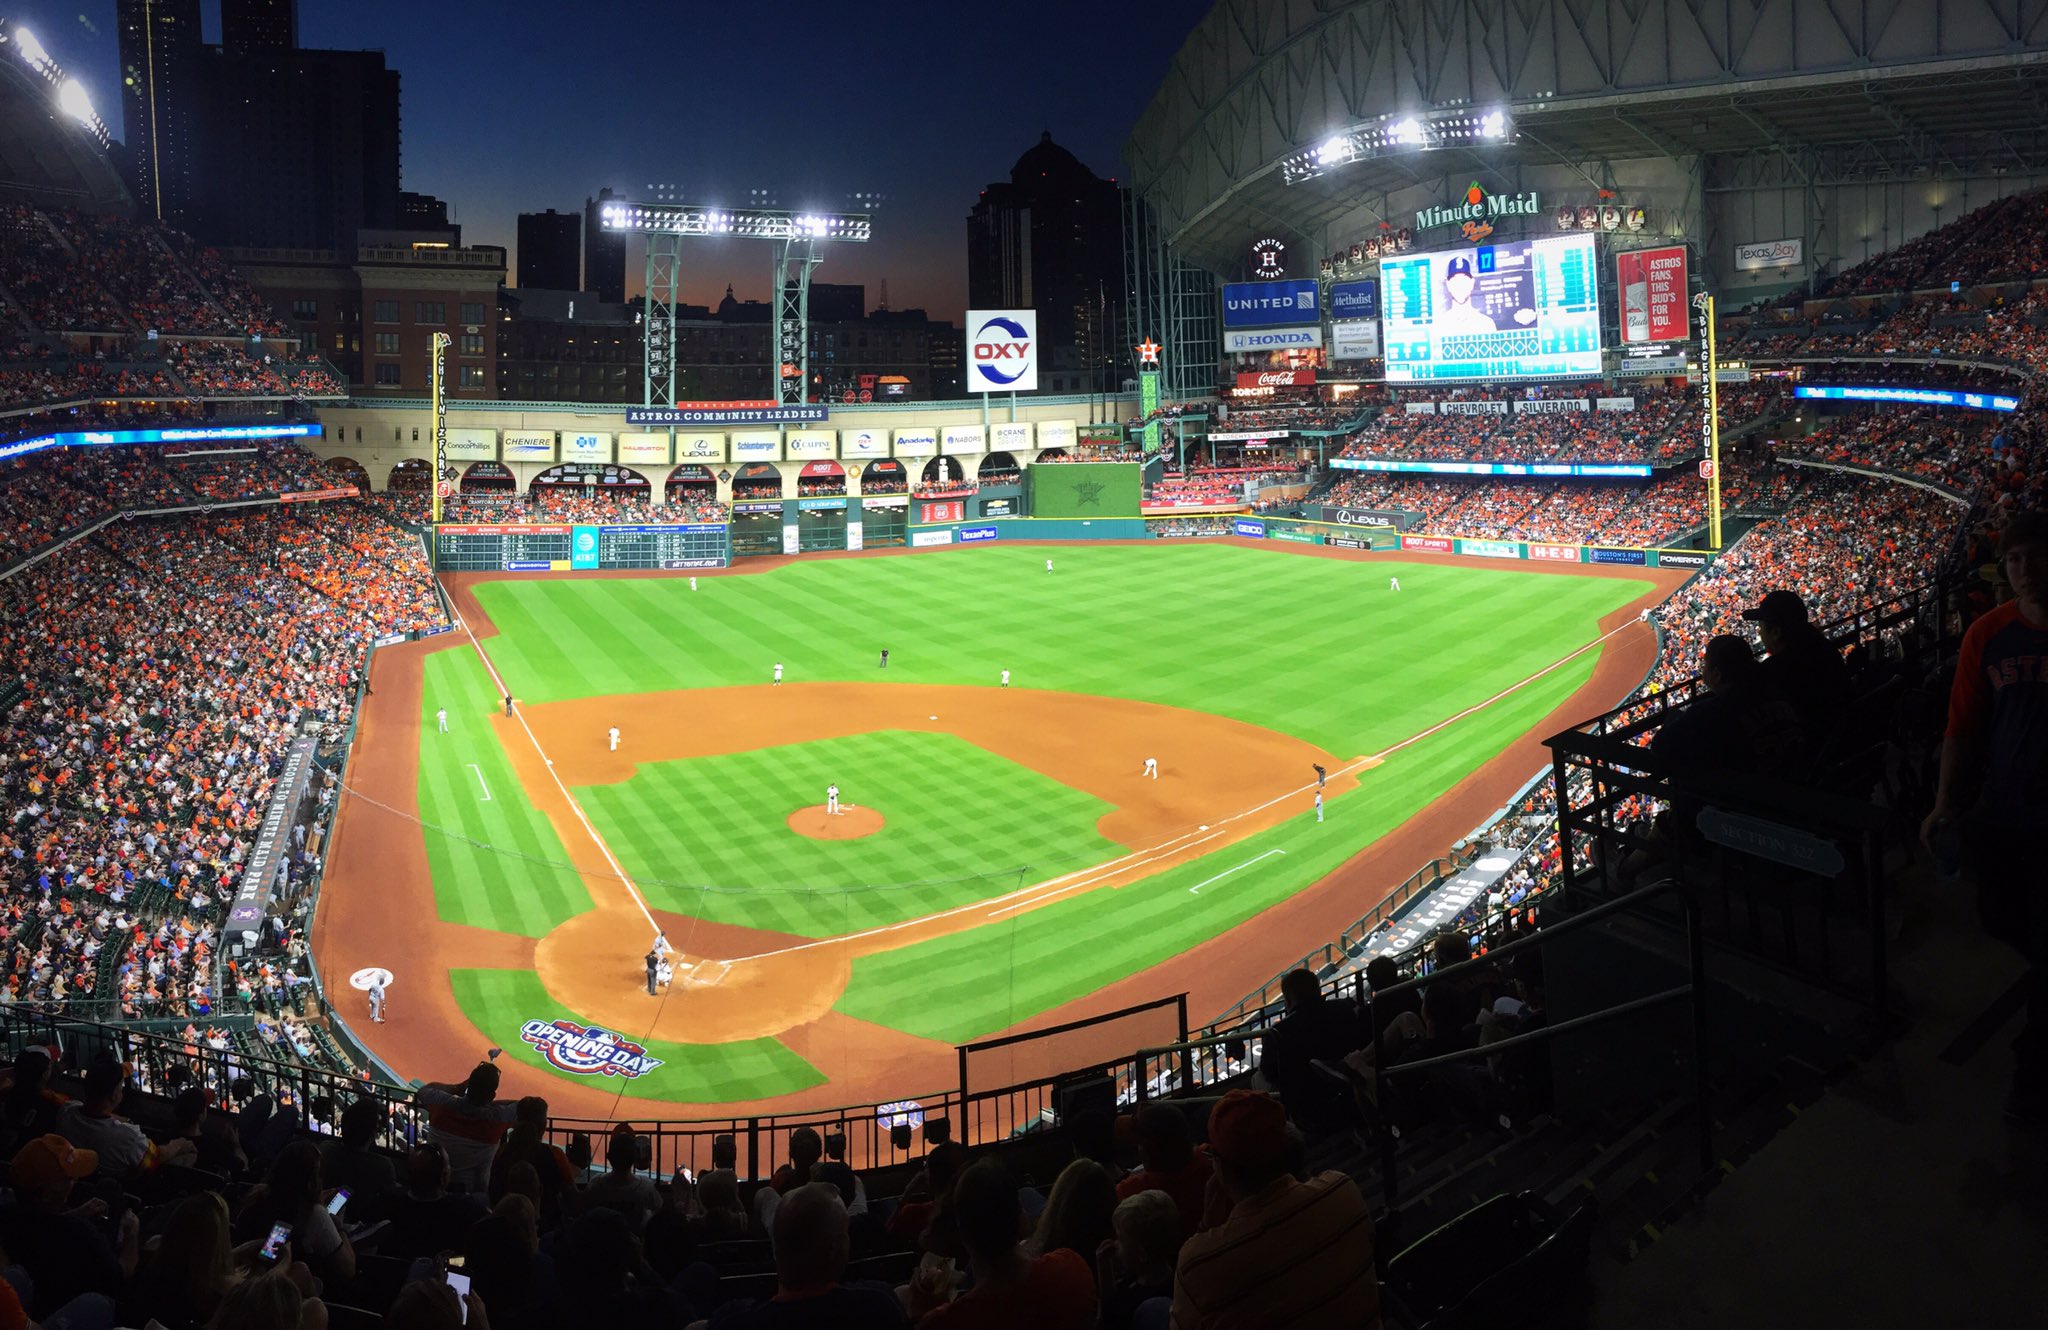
(832, 798)
(1152, 767)
(1006, 678)
(778, 671)
(614, 732)
(377, 1002)
(1319, 805)
(442, 716)
(1048, 565)
(693, 584)
(661, 944)
(1393, 584)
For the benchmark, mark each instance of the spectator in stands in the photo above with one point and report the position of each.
(430, 1304)
(1274, 1251)
(214, 1147)
(810, 1260)
(293, 1194)
(280, 1300)
(72, 1251)
(467, 1121)
(1997, 740)
(30, 1107)
(1804, 667)
(1076, 1214)
(1742, 724)
(1011, 1289)
(619, 1187)
(527, 1143)
(426, 1213)
(1136, 1266)
(926, 1193)
(192, 1268)
(353, 1160)
(1315, 1028)
(509, 1271)
(614, 1286)
(1169, 1163)
(806, 1148)
(718, 1191)
(119, 1144)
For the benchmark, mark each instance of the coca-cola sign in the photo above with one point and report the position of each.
(1278, 378)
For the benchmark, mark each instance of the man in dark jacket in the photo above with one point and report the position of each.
(1803, 666)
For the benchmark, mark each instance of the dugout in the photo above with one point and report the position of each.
(820, 524)
(885, 521)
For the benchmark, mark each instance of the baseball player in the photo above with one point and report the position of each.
(1048, 566)
(653, 970)
(377, 999)
(613, 734)
(693, 584)
(1006, 678)
(885, 658)
(442, 717)
(1152, 767)
(1319, 805)
(664, 973)
(661, 945)
(508, 706)
(1393, 584)
(778, 674)
(832, 800)
(1321, 775)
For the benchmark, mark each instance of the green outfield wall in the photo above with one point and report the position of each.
(1085, 489)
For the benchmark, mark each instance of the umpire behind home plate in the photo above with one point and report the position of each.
(653, 964)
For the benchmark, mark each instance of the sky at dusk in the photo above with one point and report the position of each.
(522, 105)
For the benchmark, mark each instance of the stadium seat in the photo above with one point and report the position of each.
(1508, 1261)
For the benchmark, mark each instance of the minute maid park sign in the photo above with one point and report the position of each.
(1478, 206)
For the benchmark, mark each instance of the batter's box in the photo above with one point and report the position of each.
(703, 974)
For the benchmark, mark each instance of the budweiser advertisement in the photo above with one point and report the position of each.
(1278, 378)
(1654, 303)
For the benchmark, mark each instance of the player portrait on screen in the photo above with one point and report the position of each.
(1459, 315)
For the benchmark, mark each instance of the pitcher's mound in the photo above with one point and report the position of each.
(846, 824)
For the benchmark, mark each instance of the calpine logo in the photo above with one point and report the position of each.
(587, 1050)
(1004, 358)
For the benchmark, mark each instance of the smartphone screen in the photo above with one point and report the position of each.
(273, 1246)
(688, 1176)
(340, 1199)
(460, 1283)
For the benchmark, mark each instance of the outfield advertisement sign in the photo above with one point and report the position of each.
(765, 506)
(583, 548)
(1002, 351)
(1554, 470)
(1602, 554)
(700, 447)
(1244, 526)
(472, 445)
(757, 446)
(917, 442)
(1057, 433)
(864, 443)
(819, 505)
(1282, 304)
(804, 444)
(537, 529)
(529, 445)
(1348, 542)
(1554, 553)
(1014, 436)
(920, 539)
(1683, 559)
(641, 449)
(1289, 533)
(1354, 300)
(1354, 341)
(1429, 544)
(1918, 396)
(956, 439)
(578, 446)
(1272, 339)
(970, 535)
(1491, 549)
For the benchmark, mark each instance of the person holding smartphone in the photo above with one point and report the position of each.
(294, 1194)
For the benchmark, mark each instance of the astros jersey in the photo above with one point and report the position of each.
(2001, 693)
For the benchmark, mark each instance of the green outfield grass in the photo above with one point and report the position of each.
(707, 836)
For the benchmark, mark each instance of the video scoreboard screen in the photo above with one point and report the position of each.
(1521, 309)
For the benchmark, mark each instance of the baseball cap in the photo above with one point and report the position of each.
(2024, 528)
(1508, 1006)
(1248, 1127)
(48, 1160)
(1458, 265)
(1778, 606)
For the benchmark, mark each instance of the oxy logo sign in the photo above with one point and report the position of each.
(1002, 350)
(587, 1050)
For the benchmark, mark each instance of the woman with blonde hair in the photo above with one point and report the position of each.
(189, 1270)
(1077, 1214)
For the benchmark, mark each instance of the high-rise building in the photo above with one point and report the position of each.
(604, 253)
(550, 250)
(259, 25)
(424, 212)
(159, 49)
(1050, 239)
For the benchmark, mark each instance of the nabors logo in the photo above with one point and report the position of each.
(587, 1050)
(1002, 350)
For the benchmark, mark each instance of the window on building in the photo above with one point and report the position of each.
(306, 311)
(387, 344)
(386, 311)
(472, 376)
(387, 376)
(340, 342)
(430, 311)
(472, 344)
(472, 311)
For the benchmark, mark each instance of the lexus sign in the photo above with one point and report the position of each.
(1002, 350)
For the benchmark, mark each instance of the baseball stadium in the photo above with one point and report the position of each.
(1503, 677)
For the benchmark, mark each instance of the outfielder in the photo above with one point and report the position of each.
(778, 673)
(442, 717)
(1006, 678)
(1152, 767)
(832, 800)
(1393, 584)
(693, 584)
(614, 733)
(1048, 565)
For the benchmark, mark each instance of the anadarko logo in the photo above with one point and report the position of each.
(1478, 206)
(587, 1050)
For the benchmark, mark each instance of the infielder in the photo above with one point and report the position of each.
(614, 735)
(778, 673)
(1393, 584)
(377, 1001)
(832, 800)
(1321, 775)
(1152, 767)
(442, 717)
(1319, 805)
(693, 584)
(1006, 678)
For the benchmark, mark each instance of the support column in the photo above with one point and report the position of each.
(795, 256)
(658, 338)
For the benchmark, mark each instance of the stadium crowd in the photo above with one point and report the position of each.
(1654, 430)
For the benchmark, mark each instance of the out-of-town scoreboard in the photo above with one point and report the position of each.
(563, 547)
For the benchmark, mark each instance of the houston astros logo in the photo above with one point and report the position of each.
(587, 1050)
(1087, 493)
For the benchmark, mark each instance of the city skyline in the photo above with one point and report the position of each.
(533, 113)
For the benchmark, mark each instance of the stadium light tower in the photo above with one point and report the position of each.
(798, 239)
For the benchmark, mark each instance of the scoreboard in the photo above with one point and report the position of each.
(561, 547)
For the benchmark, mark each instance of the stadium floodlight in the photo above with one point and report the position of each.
(1398, 134)
(33, 51)
(690, 219)
(73, 101)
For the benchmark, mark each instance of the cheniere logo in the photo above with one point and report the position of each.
(587, 1050)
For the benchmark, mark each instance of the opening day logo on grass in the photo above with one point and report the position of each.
(587, 1050)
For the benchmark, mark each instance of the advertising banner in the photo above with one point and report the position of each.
(1654, 303)
(1491, 549)
(1002, 351)
(818, 505)
(1597, 554)
(853, 536)
(1614, 404)
(1354, 300)
(1522, 308)
(758, 506)
(1682, 559)
(970, 535)
(493, 529)
(700, 447)
(756, 446)
(1272, 339)
(923, 442)
(863, 443)
(1552, 406)
(998, 508)
(950, 511)
(587, 1050)
(1278, 378)
(1428, 544)
(1014, 436)
(1057, 434)
(1472, 408)
(472, 445)
(695, 413)
(1245, 526)
(803, 444)
(643, 449)
(814, 469)
(791, 540)
(957, 439)
(1354, 341)
(888, 501)
(583, 548)
(1348, 542)
(583, 446)
(1282, 304)
(315, 496)
(1921, 396)
(943, 536)
(529, 445)
(1554, 553)
(272, 846)
(1419, 408)
(1633, 470)
(1761, 254)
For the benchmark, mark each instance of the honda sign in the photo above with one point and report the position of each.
(1002, 350)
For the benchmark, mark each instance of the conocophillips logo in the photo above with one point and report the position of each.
(587, 1050)
(1001, 351)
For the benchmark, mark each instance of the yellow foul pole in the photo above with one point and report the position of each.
(437, 378)
(1710, 420)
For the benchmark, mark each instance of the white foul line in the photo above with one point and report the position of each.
(1228, 871)
(480, 780)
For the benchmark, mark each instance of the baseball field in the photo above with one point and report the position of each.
(1001, 858)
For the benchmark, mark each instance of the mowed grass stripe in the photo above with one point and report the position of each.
(497, 866)
(970, 984)
(960, 822)
(500, 1002)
